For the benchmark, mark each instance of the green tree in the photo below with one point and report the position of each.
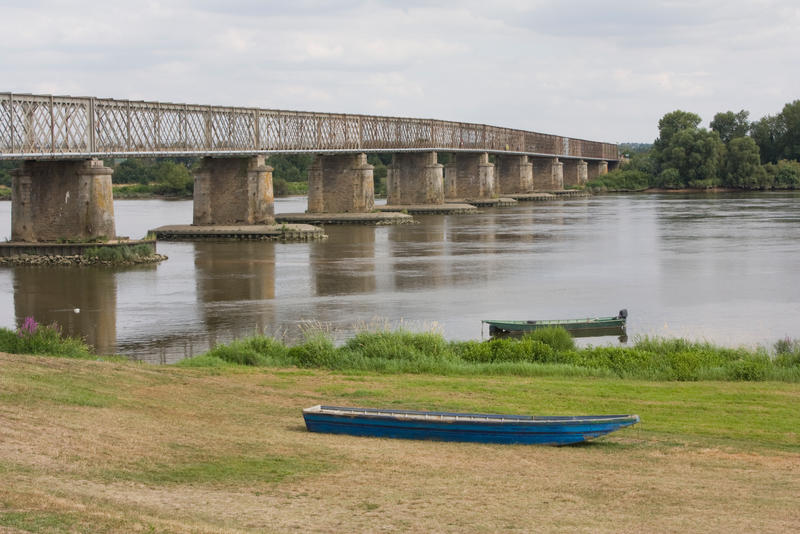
(290, 167)
(672, 123)
(642, 162)
(669, 179)
(730, 125)
(768, 135)
(134, 171)
(172, 179)
(743, 165)
(790, 131)
(785, 174)
(280, 187)
(694, 153)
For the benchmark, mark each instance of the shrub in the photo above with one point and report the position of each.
(669, 179)
(785, 174)
(554, 336)
(503, 350)
(399, 345)
(473, 351)
(316, 351)
(684, 366)
(750, 369)
(535, 350)
(255, 351)
(622, 361)
(787, 352)
(506, 350)
(620, 180)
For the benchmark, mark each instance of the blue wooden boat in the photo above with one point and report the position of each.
(474, 427)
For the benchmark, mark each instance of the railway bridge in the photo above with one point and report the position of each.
(62, 189)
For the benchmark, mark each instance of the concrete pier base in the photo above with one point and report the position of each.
(548, 174)
(368, 219)
(415, 178)
(576, 172)
(445, 208)
(262, 232)
(514, 174)
(62, 201)
(469, 176)
(341, 183)
(233, 191)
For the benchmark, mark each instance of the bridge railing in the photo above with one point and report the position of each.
(51, 126)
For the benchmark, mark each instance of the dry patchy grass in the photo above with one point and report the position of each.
(115, 447)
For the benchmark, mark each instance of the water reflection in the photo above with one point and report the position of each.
(82, 301)
(236, 273)
(417, 252)
(720, 268)
(345, 262)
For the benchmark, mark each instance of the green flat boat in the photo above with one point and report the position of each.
(591, 326)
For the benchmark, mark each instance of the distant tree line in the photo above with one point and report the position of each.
(734, 153)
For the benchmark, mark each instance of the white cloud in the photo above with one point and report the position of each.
(604, 71)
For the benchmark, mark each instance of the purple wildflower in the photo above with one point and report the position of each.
(29, 327)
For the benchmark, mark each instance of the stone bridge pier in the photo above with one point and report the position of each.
(415, 178)
(597, 168)
(576, 172)
(548, 174)
(341, 183)
(469, 176)
(233, 191)
(514, 174)
(62, 200)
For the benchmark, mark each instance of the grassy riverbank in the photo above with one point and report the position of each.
(217, 443)
(547, 352)
(92, 446)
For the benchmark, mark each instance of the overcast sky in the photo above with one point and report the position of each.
(597, 70)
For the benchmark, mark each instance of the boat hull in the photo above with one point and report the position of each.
(477, 428)
(579, 328)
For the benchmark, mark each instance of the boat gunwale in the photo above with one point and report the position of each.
(453, 417)
(589, 321)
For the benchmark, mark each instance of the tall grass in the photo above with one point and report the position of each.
(544, 352)
(33, 338)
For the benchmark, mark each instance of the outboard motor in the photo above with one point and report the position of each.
(623, 314)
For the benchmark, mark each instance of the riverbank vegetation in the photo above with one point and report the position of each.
(545, 352)
(734, 153)
(34, 338)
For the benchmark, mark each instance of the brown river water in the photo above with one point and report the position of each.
(722, 268)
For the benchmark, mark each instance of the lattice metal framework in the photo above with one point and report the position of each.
(48, 127)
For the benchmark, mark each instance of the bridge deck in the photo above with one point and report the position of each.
(63, 127)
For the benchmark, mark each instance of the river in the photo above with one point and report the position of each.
(722, 268)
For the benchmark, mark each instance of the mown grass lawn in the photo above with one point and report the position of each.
(89, 446)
